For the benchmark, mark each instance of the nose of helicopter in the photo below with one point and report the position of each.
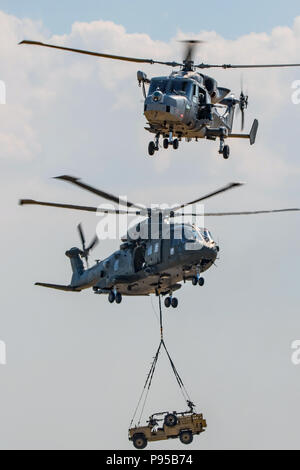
(195, 249)
(164, 107)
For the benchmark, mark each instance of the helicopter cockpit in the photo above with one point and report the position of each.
(177, 86)
(207, 235)
(158, 84)
(200, 234)
(171, 86)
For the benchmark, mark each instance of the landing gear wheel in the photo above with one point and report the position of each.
(139, 441)
(195, 281)
(201, 281)
(168, 302)
(186, 437)
(226, 151)
(118, 298)
(151, 149)
(170, 420)
(174, 302)
(166, 143)
(175, 144)
(111, 297)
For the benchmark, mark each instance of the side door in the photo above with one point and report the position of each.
(153, 252)
(170, 250)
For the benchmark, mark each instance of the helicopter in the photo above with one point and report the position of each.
(157, 254)
(186, 104)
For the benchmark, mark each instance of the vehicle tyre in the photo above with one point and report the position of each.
(194, 281)
(186, 437)
(175, 144)
(201, 281)
(170, 420)
(167, 302)
(118, 298)
(174, 302)
(151, 149)
(166, 143)
(111, 297)
(226, 152)
(139, 441)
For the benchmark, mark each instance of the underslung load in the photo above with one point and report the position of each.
(165, 425)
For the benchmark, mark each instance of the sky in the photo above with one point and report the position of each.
(159, 19)
(76, 364)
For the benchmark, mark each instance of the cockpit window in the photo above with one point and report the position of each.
(192, 234)
(180, 87)
(197, 235)
(207, 236)
(158, 84)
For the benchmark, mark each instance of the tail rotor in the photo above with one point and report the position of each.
(86, 250)
(243, 104)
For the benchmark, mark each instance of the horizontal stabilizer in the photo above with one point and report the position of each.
(251, 136)
(57, 287)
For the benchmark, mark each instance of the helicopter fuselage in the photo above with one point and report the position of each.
(183, 103)
(147, 267)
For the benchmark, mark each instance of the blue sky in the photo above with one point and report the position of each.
(161, 19)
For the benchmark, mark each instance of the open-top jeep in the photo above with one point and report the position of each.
(183, 425)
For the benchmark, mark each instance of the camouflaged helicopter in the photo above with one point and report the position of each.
(187, 104)
(156, 254)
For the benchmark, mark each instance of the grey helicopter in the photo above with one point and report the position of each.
(186, 104)
(156, 255)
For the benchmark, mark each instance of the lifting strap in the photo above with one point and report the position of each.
(150, 375)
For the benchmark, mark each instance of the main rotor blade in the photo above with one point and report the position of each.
(98, 192)
(218, 214)
(99, 54)
(207, 196)
(248, 66)
(32, 202)
(273, 211)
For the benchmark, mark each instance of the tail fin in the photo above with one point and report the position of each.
(76, 263)
(77, 268)
(251, 136)
(253, 132)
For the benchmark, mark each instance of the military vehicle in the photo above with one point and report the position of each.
(183, 425)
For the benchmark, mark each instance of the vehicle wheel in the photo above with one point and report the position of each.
(195, 281)
(151, 148)
(111, 297)
(175, 144)
(186, 437)
(166, 143)
(118, 298)
(226, 152)
(167, 302)
(174, 302)
(201, 281)
(170, 420)
(139, 441)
